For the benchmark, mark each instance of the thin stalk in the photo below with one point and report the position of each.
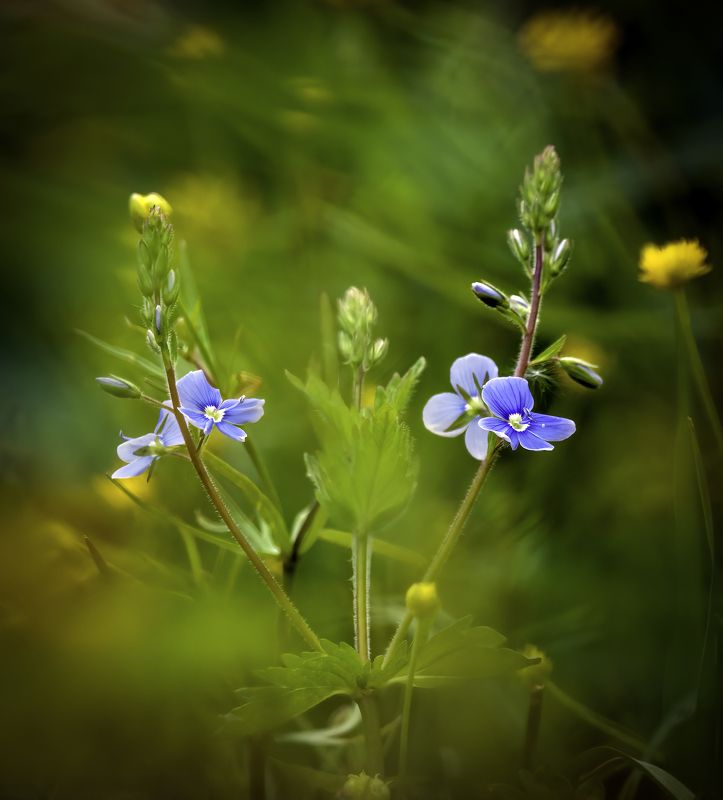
(263, 472)
(292, 560)
(358, 387)
(361, 572)
(372, 734)
(448, 543)
(528, 338)
(458, 523)
(194, 557)
(420, 637)
(532, 731)
(283, 600)
(696, 365)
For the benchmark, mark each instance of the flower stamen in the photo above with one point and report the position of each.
(516, 422)
(211, 412)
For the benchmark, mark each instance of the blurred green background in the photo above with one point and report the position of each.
(307, 147)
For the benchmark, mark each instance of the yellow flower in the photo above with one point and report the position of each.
(673, 265)
(568, 41)
(140, 206)
(197, 42)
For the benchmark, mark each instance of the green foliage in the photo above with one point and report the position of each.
(128, 356)
(364, 472)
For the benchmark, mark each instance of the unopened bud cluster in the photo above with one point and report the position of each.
(357, 317)
(364, 787)
(157, 280)
(540, 192)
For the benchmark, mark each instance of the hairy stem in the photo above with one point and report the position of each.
(372, 734)
(361, 571)
(528, 338)
(448, 543)
(696, 365)
(420, 637)
(532, 731)
(283, 600)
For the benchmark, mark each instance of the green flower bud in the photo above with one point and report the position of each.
(151, 342)
(520, 306)
(581, 372)
(364, 787)
(119, 387)
(356, 311)
(171, 288)
(422, 600)
(540, 192)
(140, 206)
(145, 282)
(378, 350)
(519, 246)
(560, 258)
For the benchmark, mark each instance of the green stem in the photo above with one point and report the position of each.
(361, 572)
(696, 364)
(358, 387)
(206, 354)
(534, 717)
(284, 601)
(420, 637)
(448, 543)
(372, 734)
(263, 472)
(194, 557)
(528, 338)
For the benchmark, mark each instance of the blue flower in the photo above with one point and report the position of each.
(166, 434)
(454, 413)
(202, 406)
(511, 401)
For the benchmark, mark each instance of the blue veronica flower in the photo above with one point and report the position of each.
(511, 402)
(166, 434)
(202, 406)
(458, 412)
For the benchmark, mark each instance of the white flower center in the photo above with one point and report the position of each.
(216, 414)
(516, 422)
(475, 405)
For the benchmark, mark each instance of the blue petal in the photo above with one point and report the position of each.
(470, 372)
(170, 432)
(505, 396)
(475, 440)
(532, 442)
(250, 410)
(227, 405)
(196, 418)
(135, 467)
(127, 449)
(497, 426)
(231, 431)
(441, 412)
(552, 429)
(196, 392)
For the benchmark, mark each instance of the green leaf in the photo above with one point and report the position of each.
(304, 681)
(124, 355)
(550, 352)
(398, 392)
(364, 472)
(261, 504)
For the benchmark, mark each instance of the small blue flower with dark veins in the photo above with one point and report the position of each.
(202, 406)
(511, 402)
(458, 412)
(141, 452)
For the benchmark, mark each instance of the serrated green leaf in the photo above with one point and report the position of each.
(262, 505)
(398, 392)
(128, 356)
(550, 352)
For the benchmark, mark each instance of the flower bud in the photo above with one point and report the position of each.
(378, 350)
(519, 246)
(490, 295)
(151, 342)
(581, 372)
(560, 257)
(119, 387)
(145, 282)
(422, 600)
(140, 206)
(364, 787)
(520, 306)
(158, 318)
(171, 288)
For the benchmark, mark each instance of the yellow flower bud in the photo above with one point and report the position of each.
(671, 266)
(422, 600)
(537, 674)
(140, 206)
